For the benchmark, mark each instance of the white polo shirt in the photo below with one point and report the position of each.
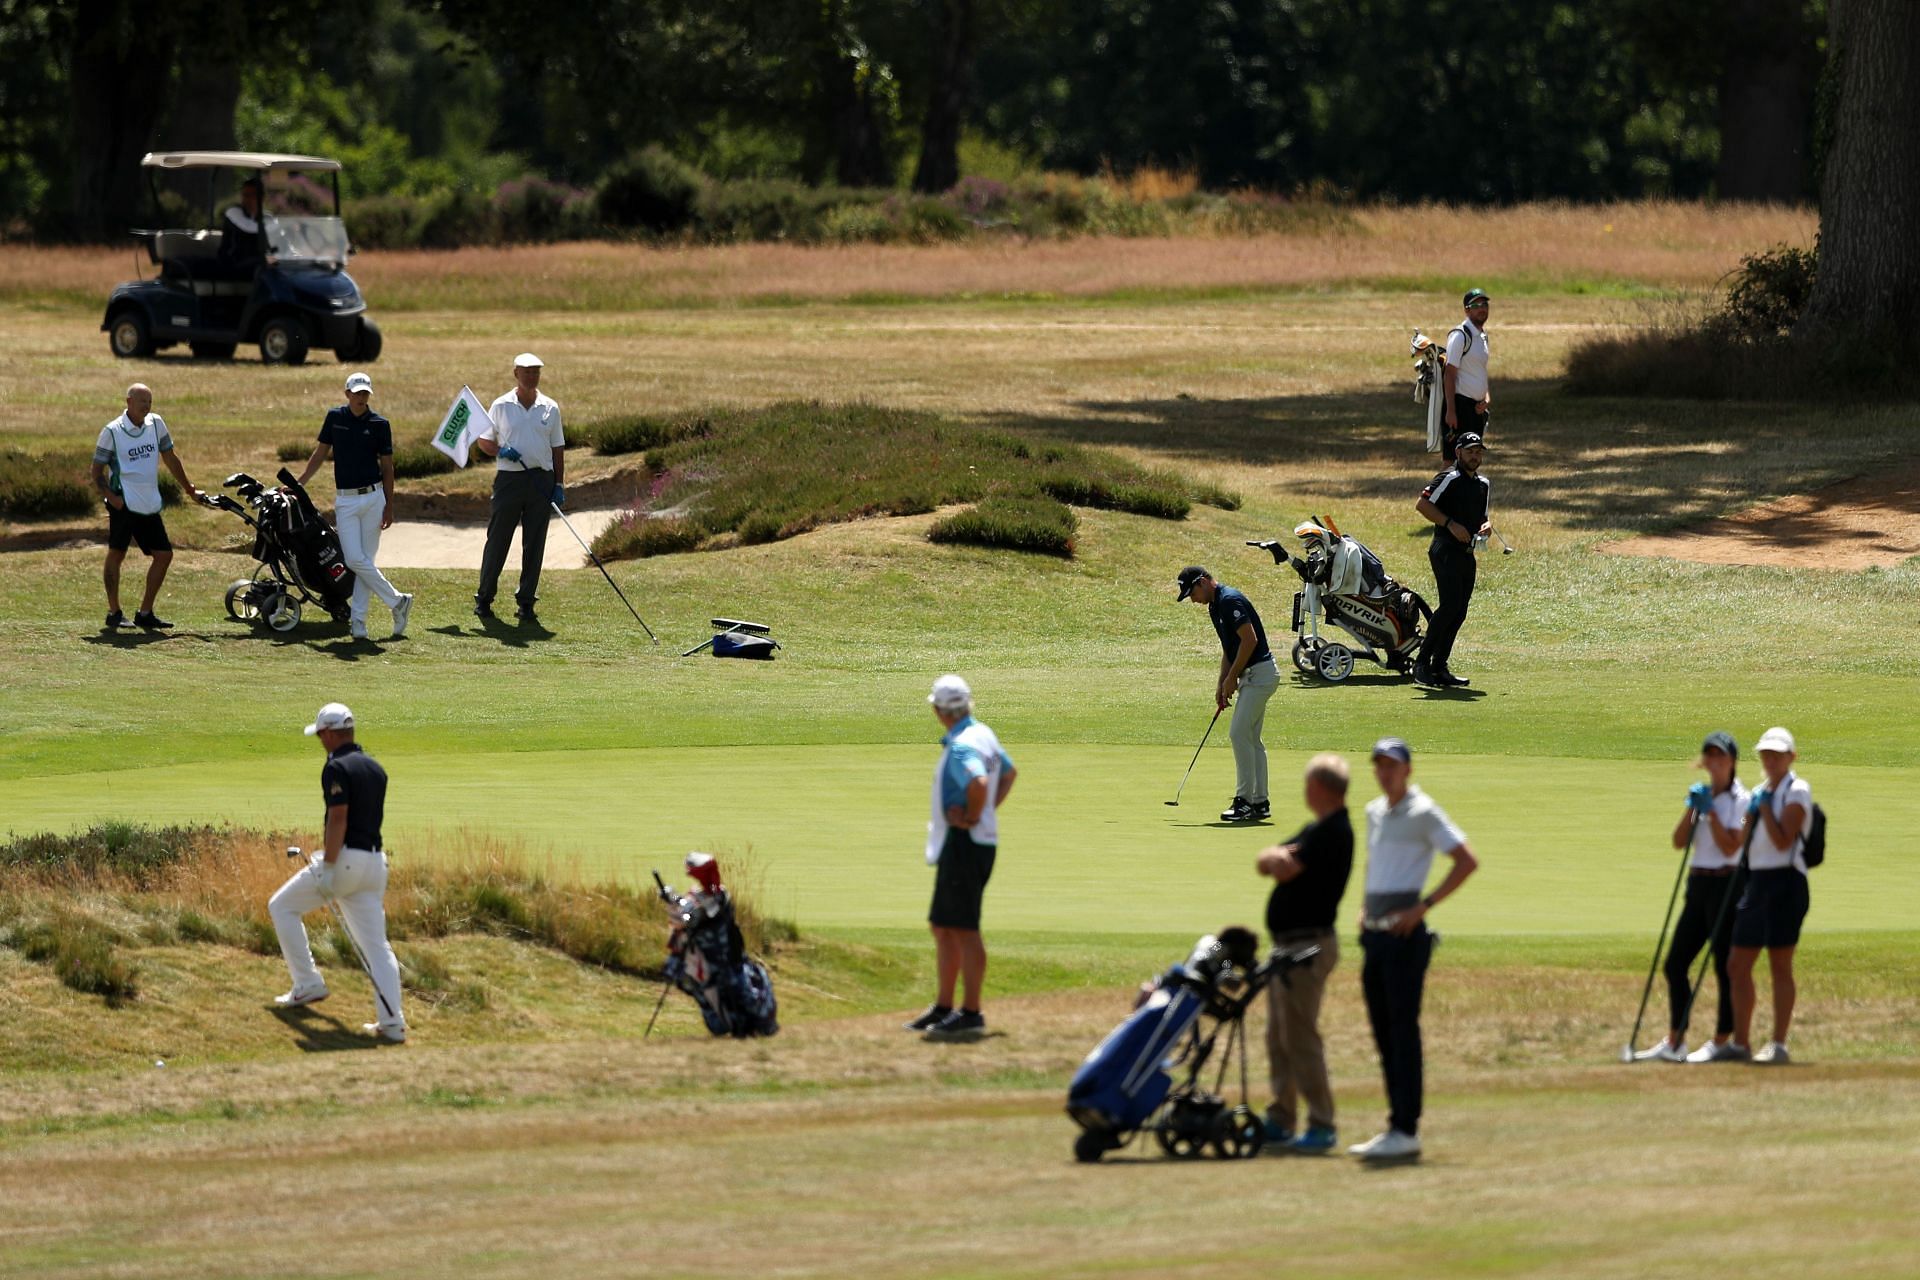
(1402, 840)
(534, 431)
(1731, 806)
(132, 457)
(1765, 855)
(1467, 352)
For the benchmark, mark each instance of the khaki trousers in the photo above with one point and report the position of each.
(1296, 1056)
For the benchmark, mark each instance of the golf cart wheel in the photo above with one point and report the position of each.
(1090, 1146)
(365, 348)
(1334, 662)
(1179, 1144)
(1303, 656)
(211, 350)
(284, 340)
(281, 611)
(241, 606)
(129, 335)
(1241, 1135)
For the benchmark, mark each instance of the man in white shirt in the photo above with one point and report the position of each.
(1775, 902)
(524, 434)
(1405, 829)
(126, 470)
(1467, 398)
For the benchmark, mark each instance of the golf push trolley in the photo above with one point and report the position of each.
(297, 554)
(1344, 582)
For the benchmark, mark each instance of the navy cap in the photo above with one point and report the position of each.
(1188, 576)
(1468, 440)
(1475, 295)
(1394, 748)
(1720, 740)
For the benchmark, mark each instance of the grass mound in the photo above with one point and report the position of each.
(753, 476)
(85, 904)
(38, 487)
(1040, 525)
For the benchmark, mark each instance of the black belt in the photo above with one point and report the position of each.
(1302, 935)
(1715, 872)
(365, 488)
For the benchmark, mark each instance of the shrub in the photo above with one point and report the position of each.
(1039, 525)
(532, 209)
(857, 224)
(1768, 293)
(650, 190)
(637, 433)
(33, 487)
(411, 461)
(1165, 502)
(384, 222)
(140, 854)
(767, 210)
(455, 217)
(636, 535)
(84, 955)
(293, 450)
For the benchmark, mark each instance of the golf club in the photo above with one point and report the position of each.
(1734, 881)
(1175, 802)
(666, 896)
(293, 851)
(1505, 549)
(603, 572)
(1653, 967)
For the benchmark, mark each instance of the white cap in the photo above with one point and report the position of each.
(358, 382)
(332, 716)
(950, 692)
(1776, 739)
(528, 360)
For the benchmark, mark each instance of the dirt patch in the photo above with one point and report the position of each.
(1868, 521)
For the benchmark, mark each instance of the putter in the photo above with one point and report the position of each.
(333, 907)
(1734, 881)
(1505, 549)
(1653, 966)
(603, 572)
(1175, 802)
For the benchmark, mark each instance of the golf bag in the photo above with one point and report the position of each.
(297, 555)
(1429, 386)
(1126, 1085)
(1347, 585)
(707, 958)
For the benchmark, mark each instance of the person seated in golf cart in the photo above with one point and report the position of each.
(243, 234)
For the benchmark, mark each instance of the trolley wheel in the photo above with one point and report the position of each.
(1090, 1146)
(1334, 662)
(281, 611)
(1303, 656)
(240, 602)
(1241, 1135)
(1180, 1145)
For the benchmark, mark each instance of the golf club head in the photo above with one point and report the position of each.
(1506, 551)
(1171, 804)
(1626, 1053)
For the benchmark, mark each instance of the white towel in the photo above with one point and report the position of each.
(987, 829)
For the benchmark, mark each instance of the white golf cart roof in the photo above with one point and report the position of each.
(235, 160)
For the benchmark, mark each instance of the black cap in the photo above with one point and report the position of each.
(1475, 295)
(1720, 740)
(1394, 748)
(1188, 576)
(1468, 440)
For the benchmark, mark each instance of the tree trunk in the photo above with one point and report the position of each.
(1766, 101)
(1868, 281)
(939, 166)
(860, 147)
(117, 87)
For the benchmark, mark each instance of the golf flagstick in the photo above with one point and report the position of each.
(603, 572)
(1734, 881)
(1175, 802)
(1653, 967)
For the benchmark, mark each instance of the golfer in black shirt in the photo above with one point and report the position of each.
(1456, 503)
(1311, 870)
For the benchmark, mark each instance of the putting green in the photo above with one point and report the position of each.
(836, 832)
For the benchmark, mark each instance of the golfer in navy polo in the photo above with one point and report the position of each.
(1247, 669)
(360, 442)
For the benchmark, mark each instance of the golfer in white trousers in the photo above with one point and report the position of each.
(349, 873)
(360, 442)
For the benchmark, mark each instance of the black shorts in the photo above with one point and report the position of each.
(1771, 909)
(125, 527)
(960, 882)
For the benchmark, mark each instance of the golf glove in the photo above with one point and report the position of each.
(1700, 798)
(323, 876)
(1759, 800)
(559, 495)
(510, 453)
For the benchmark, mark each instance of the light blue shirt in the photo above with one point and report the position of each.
(964, 764)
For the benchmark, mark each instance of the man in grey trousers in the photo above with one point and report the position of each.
(523, 433)
(1248, 674)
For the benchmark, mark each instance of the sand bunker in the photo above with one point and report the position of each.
(1855, 524)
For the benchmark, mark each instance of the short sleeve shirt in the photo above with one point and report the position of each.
(534, 430)
(1461, 497)
(1324, 850)
(1229, 610)
(1467, 351)
(132, 457)
(1402, 840)
(965, 762)
(1765, 855)
(358, 443)
(1731, 806)
(355, 779)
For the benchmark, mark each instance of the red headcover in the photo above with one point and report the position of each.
(703, 868)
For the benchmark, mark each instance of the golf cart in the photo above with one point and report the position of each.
(282, 283)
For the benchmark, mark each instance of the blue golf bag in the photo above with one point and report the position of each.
(1127, 1086)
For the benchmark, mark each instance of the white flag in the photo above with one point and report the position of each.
(465, 420)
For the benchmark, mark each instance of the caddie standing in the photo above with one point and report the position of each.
(524, 435)
(126, 470)
(1469, 398)
(350, 873)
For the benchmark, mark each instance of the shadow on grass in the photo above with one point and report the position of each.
(512, 635)
(316, 1032)
(125, 639)
(1593, 463)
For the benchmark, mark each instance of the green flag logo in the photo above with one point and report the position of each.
(456, 424)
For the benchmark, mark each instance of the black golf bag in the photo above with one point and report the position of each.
(297, 553)
(707, 958)
(1344, 583)
(1126, 1085)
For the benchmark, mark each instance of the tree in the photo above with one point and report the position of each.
(117, 77)
(1771, 61)
(1867, 289)
(949, 80)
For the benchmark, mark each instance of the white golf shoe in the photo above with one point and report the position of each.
(392, 1033)
(1665, 1051)
(1391, 1145)
(1774, 1055)
(401, 612)
(302, 996)
(1711, 1052)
